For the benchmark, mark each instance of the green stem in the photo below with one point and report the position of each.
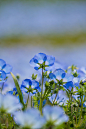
(77, 113)
(42, 83)
(2, 87)
(71, 108)
(55, 99)
(41, 99)
(31, 102)
(27, 101)
(56, 93)
(81, 108)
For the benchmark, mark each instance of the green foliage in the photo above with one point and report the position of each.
(18, 90)
(34, 76)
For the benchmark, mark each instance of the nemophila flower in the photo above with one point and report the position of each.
(68, 77)
(57, 74)
(29, 119)
(13, 92)
(54, 115)
(69, 85)
(9, 103)
(42, 60)
(60, 98)
(2, 77)
(30, 86)
(5, 67)
(57, 65)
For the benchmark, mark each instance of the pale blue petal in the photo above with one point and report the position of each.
(38, 58)
(23, 88)
(7, 68)
(68, 77)
(54, 114)
(50, 60)
(34, 64)
(2, 76)
(2, 63)
(30, 118)
(35, 84)
(39, 89)
(52, 76)
(69, 85)
(59, 73)
(10, 103)
(27, 83)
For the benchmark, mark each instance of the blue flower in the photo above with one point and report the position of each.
(68, 77)
(60, 98)
(42, 60)
(57, 74)
(2, 77)
(30, 86)
(5, 67)
(69, 85)
(54, 115)
(56, 65)
(13, 92)
(29, 119)
(9, 103)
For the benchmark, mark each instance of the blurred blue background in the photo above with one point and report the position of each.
(56, 28)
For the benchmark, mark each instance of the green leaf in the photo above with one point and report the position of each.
(18, 90)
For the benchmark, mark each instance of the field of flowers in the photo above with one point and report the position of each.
(55, 98)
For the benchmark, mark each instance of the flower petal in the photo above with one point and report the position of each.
(2, 63)
(35, 84)
(27, 83)
(38, 58)
(59, 73)
(50, 60)
(7, 68)
(2, 76)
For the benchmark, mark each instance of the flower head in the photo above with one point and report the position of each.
(60, 98)
(29, 119)
(9, 103)
(57, 74)
(5, 67)
(30, 86)
(69, 85)
(42, 60)
(54, 115)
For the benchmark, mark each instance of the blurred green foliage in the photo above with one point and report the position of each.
(65, 39)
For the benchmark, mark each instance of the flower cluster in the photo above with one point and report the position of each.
(56, 99)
